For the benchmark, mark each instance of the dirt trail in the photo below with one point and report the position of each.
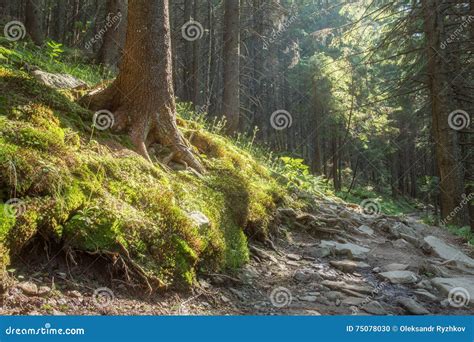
(332, 261)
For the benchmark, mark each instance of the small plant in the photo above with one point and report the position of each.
(53, 49)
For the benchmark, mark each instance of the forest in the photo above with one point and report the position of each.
(268, 157)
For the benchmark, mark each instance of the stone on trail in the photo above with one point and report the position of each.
(400, 277)
(374, 308)
(447, 252)
(353, 301)
(366, 230)
(350, 249)
(344, 287)
(319, 252)
(394, 267)
(294, 257)
(28, 288)
(412, 306)
(348, 265)
(308, 298)
(422, 293)
(462, 288)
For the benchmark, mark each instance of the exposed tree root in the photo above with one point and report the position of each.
(147, 130)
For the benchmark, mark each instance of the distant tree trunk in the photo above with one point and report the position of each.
(115, 30)
(59, 20)
(188, 60)
(445, 138)
(142, 96)
(231, 96)
(33, 22)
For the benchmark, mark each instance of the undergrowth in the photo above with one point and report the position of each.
(85, 190)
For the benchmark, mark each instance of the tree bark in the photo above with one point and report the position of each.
(115, 30)
(445, 138)
(142, 96)
(231, 96)
(33, 22)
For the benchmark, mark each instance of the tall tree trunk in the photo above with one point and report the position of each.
(142, 96)
(188, 58)
(445, 138)
(59, 20)
(115, 30)
(231, 96)
(33, 22)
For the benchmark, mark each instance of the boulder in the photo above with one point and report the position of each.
(400, 277)
(460, 287)
(412, 306)
(28, 288)
(365, 230)
(447, 252)
(56, 81)
(348, 265)
(374, 308)
(394, 267)
(349, 249)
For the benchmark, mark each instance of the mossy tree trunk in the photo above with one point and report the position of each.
(142, 97)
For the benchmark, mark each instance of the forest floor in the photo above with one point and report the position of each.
(351, 264)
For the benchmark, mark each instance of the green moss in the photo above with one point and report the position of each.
(82, 194)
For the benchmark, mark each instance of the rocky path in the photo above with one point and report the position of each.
(334, 261)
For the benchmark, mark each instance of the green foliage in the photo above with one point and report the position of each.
(77, 192)
(53, 50)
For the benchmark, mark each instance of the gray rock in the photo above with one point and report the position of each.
(350, 249)
(366, 230)
(348, 265)
(374, 308)
(447, 252)
(342, 286)
(412, 306)
(400, 277)
(306, 275)
(400, 243)
(308, 298)
(319, 252)
(394, 267)
(334, 295)
(423, 294)
(200, 219)
(28, 288)
(294, 257)
(57, 81)
(353, 301)
(461, 288)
